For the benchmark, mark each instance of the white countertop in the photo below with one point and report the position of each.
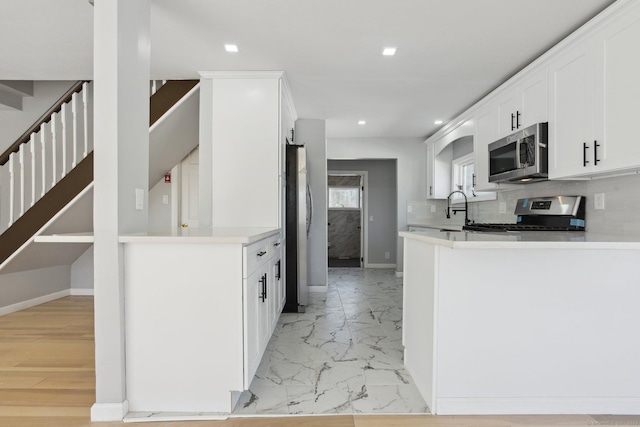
(242, 235)
(436, 225)
(524, 240)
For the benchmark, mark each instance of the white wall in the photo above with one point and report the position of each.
(410, 154)
(14, 123)
(160, 213)
(28, 288)
(311, 133)
(82, 272)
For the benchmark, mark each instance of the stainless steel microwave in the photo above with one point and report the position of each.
(520, 157)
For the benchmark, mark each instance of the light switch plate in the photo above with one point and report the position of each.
(502, 207)
(139, 199)
(433, 208)
(165, 199)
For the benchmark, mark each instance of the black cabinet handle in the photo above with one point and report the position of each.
(263, 295)
(265, 286)
(276, 244)
(262, 253)
(518, 119)
(431, 190)
(473, 180)
(584, 154)
(513, 116)
(278, 265)
(595, 152)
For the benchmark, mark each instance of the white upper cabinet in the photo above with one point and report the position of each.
(594, 92)
(439, 159)
(617, 93)
(486, 131)
(523, 103)
(571, 112)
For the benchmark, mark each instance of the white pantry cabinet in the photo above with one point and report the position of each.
(246, 117)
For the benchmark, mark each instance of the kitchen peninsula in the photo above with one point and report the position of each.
(523, 323)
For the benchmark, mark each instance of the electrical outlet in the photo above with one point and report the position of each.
(409, 209)
(433, 208)
(387, 255)
(502, 207)
(598, 201)
(371, 218)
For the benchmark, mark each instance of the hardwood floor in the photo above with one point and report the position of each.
(47, 379)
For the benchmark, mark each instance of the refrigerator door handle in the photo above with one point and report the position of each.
(309, 209)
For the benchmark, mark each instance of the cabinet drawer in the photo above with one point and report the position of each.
(255, 256)
(275, 245)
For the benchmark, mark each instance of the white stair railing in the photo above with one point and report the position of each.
(49, 155)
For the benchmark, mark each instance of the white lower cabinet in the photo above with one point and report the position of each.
(198, 319)
(261, 301)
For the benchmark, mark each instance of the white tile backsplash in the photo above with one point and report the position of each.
(620, 216)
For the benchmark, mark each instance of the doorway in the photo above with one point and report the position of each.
(345, 218)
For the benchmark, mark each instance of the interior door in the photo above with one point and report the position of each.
(189, 190)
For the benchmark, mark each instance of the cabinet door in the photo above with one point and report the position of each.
(431, 157)
(274, 293)
(508, 105)
(617, 93)
(486, 129)
(264, 308)
(252, 310)
(439, 171)
(571, 112)
(534, 102)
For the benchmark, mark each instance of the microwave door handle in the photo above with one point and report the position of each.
(518, 158)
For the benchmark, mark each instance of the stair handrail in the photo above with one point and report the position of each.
(35, 127)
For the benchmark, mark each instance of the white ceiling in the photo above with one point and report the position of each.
(450, 52)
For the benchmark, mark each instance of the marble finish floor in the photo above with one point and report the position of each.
(344, 355)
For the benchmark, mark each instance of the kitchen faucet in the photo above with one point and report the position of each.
(454, 210)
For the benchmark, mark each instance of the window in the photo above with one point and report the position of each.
(344, 197)
(463, 179)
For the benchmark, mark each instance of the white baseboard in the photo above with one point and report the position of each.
(537, 406)
(82, 292)
(149, 417)
(109, 411)
(318, 288)
(399, 274)
(380, 266)
(33, 302)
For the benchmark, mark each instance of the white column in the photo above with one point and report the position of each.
(205, 153)
(121, 138)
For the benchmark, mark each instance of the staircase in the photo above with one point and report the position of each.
(52, 163)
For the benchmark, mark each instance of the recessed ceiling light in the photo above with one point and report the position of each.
(232, 48)
(437, 122)
(362, 122)
(389, 51)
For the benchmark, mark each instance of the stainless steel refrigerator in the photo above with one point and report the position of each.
(298, 208)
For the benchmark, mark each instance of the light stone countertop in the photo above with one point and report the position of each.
(524, 240)
(242, 235)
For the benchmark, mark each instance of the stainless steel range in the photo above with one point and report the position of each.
(557, 213)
